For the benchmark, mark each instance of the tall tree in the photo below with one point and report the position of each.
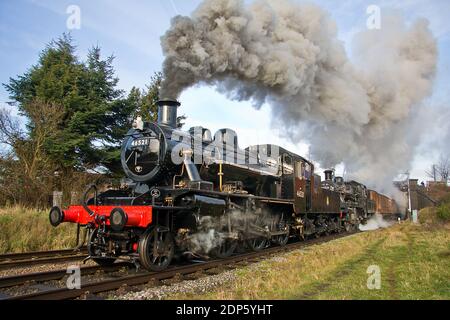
(145, 101)
(95, 116)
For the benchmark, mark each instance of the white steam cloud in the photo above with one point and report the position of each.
(375, 223)
(288, 55)
(205, 241)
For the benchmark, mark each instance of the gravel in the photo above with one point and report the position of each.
(198, 286)
(202, 285)
(16, 271)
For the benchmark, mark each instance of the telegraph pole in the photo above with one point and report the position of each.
(409, 195)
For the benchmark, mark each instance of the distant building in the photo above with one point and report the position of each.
(422, 195)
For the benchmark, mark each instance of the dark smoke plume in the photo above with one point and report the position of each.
(289, 56)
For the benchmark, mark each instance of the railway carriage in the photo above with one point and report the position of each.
(384, 205)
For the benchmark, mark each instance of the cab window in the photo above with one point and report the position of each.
(288, 168)
(300, 170)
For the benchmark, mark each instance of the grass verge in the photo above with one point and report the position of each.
(414, 262)
(25, 230)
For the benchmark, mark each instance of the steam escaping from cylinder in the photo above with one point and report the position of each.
(205, 242)
(208, 236)
(212, 232)
(359, 113)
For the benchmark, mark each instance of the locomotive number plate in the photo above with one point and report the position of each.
(141, 142)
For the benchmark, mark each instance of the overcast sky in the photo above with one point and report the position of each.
(131, 30)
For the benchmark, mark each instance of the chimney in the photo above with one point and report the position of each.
(167, 112)
(329, 175)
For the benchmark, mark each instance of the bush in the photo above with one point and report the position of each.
(443, 212)
(446, 200)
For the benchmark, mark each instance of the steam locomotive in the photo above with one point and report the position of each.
(196, 195)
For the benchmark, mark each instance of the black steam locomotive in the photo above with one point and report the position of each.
(202, 196)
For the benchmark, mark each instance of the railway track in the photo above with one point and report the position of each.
(141, 278)
(8, 261)
(22, 279)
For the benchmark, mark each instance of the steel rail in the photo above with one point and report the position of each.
(29, 262)
(38, 254)
(139, 279)
(16, 280)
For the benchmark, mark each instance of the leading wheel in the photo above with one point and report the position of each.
(96, 248)
(156, 249)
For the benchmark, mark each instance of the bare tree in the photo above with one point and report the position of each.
(10, 130)
(441, 170)
(28, 175)
(26, 171)
(432, 173)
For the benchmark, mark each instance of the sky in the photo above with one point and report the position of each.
(131, 31)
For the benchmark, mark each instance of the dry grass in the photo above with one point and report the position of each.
(24, 230)
(431, 218)
(414, 262)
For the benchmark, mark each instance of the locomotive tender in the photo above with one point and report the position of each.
(197, 195)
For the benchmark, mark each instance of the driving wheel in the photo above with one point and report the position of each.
(156, 249)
